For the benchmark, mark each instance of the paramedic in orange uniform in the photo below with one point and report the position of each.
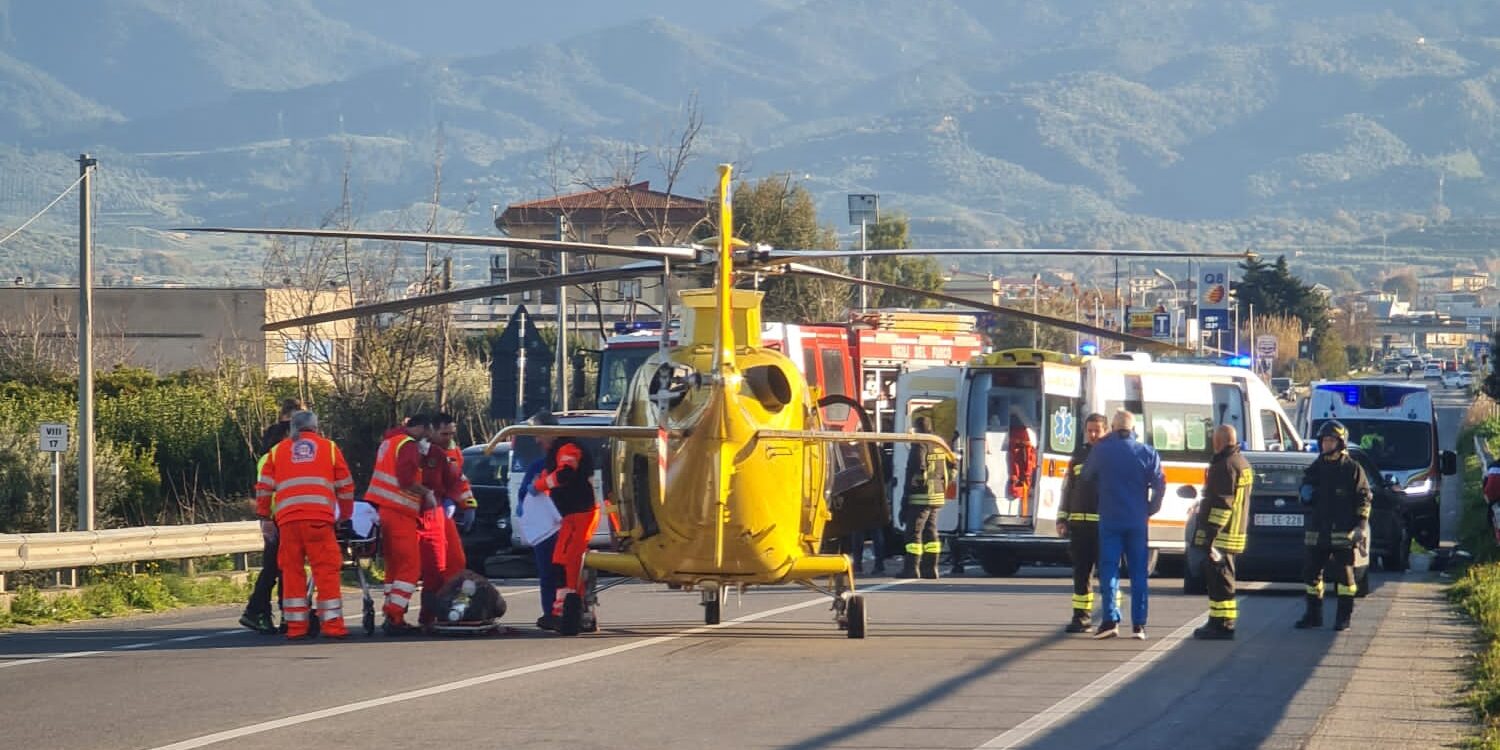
(396, 488)
(307, 476)
(441, 548)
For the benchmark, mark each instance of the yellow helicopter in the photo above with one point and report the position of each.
(722, 474)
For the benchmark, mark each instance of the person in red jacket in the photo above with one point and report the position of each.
(309, 481)
(396, 488)
(1022, 460)
(567, 478)
(439, 545)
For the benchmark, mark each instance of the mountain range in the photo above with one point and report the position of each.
(1178, 123)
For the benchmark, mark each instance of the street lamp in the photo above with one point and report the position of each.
(1175, 300)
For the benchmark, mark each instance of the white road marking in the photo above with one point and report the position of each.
(30, 659)
(49, 657)
(1093, 691)
(290, 721)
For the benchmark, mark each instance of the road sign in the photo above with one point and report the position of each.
(864, 207)
(1480, 348)
(1266, 346)
(53, 438)
(1161, 325)
(1474, 323)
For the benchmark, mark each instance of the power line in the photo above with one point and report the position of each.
(38, 214)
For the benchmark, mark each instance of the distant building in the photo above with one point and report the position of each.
(169, 330)
(1433, 284)
(623, 215)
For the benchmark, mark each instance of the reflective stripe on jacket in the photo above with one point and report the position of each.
(1223, 518)
(308, 478)
(385, 489)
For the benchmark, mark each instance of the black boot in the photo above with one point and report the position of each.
(1080, 623)
(927, 568)
(1345, 611)
(909, 568)
(1217, 629)
(1314, 615)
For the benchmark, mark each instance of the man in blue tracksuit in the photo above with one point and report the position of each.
(1125, 470)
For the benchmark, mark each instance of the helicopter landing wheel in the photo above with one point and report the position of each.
(712, 610)
(855, 614)
(843, 587)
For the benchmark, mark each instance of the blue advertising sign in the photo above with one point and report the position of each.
(1161, 326)
(1213, 300)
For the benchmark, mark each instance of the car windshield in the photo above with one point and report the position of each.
(616, 368)
(1394, 445)
(525, 450)
(1278, 478)
(481, 469)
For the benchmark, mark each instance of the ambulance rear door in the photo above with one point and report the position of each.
(934, 393)
(1062, 387)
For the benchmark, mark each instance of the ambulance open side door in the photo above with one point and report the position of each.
(1062, 422)
(934, 393)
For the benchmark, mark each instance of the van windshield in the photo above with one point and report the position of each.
(1395, 445)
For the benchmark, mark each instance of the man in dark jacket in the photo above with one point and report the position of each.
(1221, 524)
(1078, 522)
(1131, 486)
(257, 615)
(1336, 490)
(924, 495)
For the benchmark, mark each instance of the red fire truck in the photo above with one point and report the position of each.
(859, 360)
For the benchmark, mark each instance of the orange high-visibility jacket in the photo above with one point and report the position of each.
(307, 476)
(458, 484)
(385, 489)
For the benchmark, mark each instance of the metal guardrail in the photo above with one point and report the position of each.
(79, 549)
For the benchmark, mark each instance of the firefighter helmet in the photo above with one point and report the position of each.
(1336, 430)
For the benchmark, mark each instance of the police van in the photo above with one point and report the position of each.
(1396, 425)
(1014, 418)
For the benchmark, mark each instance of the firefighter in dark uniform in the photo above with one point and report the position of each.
(1335, 489)
(925, 493)
(1078, 522)
(1221, 524)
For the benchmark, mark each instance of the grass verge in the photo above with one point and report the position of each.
(120, 594)
(1477, 594)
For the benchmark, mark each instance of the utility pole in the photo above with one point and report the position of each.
(562, 319)
(864, 269)
(1036, 280)
(521, 368)
(86, 166)
(442, 353)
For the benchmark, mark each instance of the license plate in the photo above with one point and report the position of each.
(1278, 519)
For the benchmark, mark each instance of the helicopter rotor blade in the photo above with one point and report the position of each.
(798, 269)
(775, 255)
(628, 271)
(638, 252)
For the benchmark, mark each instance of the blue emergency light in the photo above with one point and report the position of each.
(1088, 348)
(1241, 360)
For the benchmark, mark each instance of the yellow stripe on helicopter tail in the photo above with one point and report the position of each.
(724, 356)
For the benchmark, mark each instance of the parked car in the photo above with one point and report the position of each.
(1275, 550)
(488, 476)
(1282, 387)
(1450, 380)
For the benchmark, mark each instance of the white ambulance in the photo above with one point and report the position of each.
(1043, 398)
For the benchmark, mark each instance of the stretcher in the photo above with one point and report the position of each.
(363, 543)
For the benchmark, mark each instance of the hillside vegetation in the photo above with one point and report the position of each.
(1178, 123)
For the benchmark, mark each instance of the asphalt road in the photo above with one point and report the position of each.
(960, 663)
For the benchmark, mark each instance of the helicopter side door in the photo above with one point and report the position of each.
(855, 486)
